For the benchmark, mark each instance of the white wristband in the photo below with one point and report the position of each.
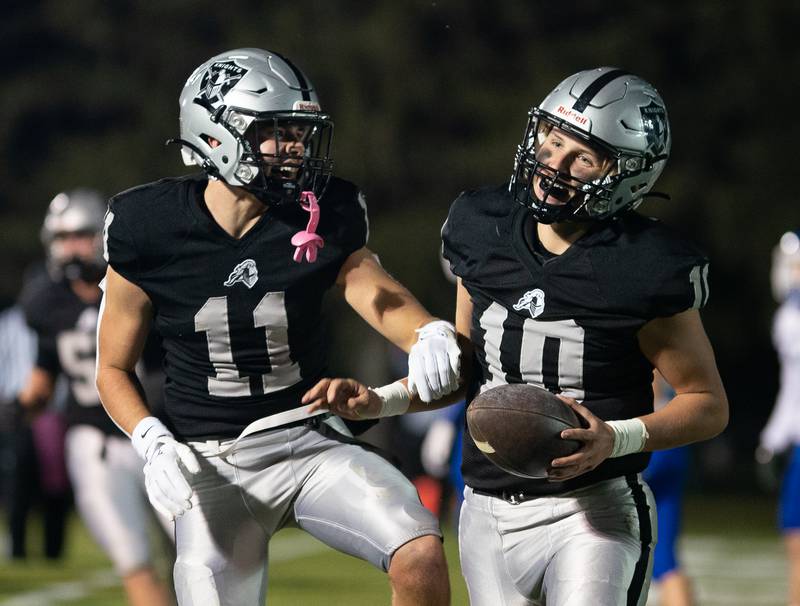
(630, 436)
(396, 399)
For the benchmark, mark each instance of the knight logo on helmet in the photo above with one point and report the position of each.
(251, 118)
(220, 77)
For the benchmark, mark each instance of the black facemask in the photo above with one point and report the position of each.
(77, 268)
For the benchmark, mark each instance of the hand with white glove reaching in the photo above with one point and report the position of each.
(434, 362)
(166, 464)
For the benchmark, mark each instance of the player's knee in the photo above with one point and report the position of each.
(194, 583)
(128, 559)
(419, 561)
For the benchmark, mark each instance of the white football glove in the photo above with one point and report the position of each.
(434, 362)
(166, 463)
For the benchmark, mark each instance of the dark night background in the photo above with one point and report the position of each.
(430, 98)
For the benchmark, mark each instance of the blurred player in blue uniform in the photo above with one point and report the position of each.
(666, 476)
(782, 432)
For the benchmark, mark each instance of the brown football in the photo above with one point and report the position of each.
(518, 427)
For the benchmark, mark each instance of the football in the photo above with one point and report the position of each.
(518, 427)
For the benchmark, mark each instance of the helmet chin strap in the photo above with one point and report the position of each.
(308, 241)
(208, 166)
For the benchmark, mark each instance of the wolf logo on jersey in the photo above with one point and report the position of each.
(533, 301)
(245, 272)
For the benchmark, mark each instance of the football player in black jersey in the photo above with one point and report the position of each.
(62, 306)
(564, 286)
(231, 266)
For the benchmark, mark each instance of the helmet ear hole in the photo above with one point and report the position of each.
(210, 141)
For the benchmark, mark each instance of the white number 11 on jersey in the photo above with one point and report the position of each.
(270, 313)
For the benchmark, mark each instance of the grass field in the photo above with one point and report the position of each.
(730, 549)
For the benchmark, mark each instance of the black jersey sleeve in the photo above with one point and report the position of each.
(36, 302)
(33, 300)
(455, 248)
(684, 285)
(663, 273)
(343, 216)
(119, 245)
(47, 353)
(147, 225)
(679, 274)
(475, 233)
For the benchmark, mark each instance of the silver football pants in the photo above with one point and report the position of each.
(347, 497)
(589, 547)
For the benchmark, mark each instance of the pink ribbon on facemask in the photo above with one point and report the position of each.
(308, 241)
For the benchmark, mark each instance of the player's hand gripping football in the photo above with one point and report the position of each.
(346, 398)
(597, 440)
(166, 463)
(434, 362)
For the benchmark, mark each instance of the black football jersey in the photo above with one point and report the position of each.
(240, 321)
(66, 329)
(566, 322)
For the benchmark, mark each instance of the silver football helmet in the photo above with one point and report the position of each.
(252, 119)
(79, 212)
(785, 273)
(615, 112)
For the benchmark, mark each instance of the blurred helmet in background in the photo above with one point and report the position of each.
(72, 235)
(614, 112)
(242, 98)
(785, 274)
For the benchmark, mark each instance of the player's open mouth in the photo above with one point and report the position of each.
(288, 171)
(551, 191)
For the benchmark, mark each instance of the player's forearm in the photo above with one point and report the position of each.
(687, 418)
(388, 306)
(417, 405)
(391, 310)
(121, 396)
